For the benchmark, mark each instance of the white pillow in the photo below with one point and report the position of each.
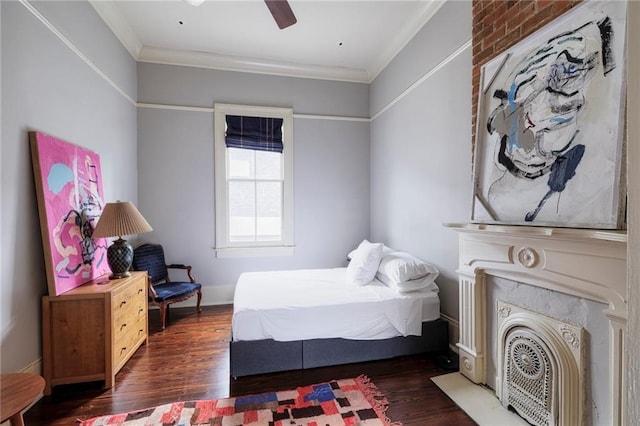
(426, 283)
(399, 267)
(385, 250)
(364, 263)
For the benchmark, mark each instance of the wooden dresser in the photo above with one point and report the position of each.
(90, 332)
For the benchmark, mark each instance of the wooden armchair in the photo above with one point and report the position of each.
(162, 291)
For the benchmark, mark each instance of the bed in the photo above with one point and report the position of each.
(287, 320)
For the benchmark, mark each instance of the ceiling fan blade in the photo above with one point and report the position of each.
(281, 12)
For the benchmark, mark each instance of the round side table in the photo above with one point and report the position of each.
(17, 392)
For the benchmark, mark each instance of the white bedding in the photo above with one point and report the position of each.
(319, 304)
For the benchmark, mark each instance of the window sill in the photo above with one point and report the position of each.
(223, 253)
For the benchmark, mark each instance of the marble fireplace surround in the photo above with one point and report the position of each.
(589, 264)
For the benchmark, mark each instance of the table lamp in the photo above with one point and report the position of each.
(118, 219)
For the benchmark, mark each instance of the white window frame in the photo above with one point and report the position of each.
(224, 247)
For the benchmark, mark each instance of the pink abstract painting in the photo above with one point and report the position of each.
(70, 201)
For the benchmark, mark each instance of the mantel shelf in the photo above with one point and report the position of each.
(536, 231)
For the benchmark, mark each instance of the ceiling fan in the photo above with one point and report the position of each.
(280, 10)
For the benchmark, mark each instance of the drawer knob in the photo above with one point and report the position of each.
(140, 290)
(123, 326)
(124, 302)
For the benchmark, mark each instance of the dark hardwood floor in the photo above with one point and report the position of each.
(190, 360)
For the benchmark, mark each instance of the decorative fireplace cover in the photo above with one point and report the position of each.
(540, 362)
(529, 378)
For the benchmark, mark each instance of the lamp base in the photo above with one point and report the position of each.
(120, 275)
(119, 258)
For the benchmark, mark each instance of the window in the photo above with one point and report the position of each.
(254, 180)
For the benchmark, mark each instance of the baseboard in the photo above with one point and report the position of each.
(218, 294)
(34, 368)
(454, 332)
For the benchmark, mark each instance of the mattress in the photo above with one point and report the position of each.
(321, 304)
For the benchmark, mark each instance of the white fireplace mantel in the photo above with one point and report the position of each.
(586, 263)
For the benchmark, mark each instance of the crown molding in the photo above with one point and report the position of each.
(403, 37)
(111, 15)
(253, 65)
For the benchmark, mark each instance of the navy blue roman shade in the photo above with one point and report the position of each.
(257, 133)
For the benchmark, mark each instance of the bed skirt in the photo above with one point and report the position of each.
(269, 356)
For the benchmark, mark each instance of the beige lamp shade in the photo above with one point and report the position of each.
(120, 218)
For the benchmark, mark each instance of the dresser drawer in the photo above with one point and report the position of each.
(129, 320)
(125, 322)
(127, 340)
(123, 299)
(134, 308)
(130, 300)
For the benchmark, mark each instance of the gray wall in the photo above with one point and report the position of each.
(49, 88)
(421, 146)
(176, 176)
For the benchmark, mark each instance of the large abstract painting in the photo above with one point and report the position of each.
(70, 200)
(549, 138)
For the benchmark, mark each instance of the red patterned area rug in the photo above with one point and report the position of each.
(336, 403)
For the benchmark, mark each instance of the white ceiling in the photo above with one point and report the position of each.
(349, 40)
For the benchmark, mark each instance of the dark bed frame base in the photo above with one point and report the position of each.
(269, 356)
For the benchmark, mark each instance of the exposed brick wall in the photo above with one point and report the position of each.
(499, 24)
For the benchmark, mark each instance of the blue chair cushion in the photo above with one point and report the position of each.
(150, 258)
(173, 290)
